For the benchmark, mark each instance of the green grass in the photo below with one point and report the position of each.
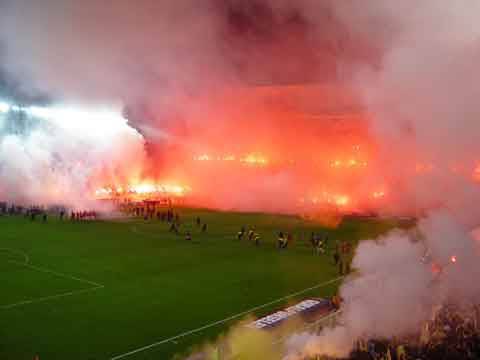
(155, 284)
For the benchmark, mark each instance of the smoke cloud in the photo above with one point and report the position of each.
(50, 155)
(420, 97)
(394, 292)
(198, 78)
(345, 101)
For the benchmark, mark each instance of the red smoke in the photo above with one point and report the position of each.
(274, 148)
(295, 148)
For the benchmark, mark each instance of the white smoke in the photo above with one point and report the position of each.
(95, 52)
(394, 292)
(414, 63)
(53, 154)
(421, 97)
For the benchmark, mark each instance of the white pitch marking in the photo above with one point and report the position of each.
(95, 286)
(18, 252)
(48, 271)
(45, 298)
(218, 322)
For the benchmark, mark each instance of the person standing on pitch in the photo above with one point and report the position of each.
(256, 239)
(241, 233)
(280, 240)
(173, 228)
(251, 232)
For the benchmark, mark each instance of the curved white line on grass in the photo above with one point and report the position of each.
(218, 322)
(18, 252)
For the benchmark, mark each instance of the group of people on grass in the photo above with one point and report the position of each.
(165, 214)
(319, 242)
(35, 212)
(174, 221)
(251, 235)
(81, 215)
(200, 225)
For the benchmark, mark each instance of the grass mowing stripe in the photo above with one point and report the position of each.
(218, 322)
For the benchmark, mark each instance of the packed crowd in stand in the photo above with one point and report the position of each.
(451, 334)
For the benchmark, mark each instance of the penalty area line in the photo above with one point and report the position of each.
(93, 285)
(51, 297)
(49, 271)
(218, 322)
(26, 258)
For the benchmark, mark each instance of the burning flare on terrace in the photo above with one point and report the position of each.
(249, 159)
(143, 190)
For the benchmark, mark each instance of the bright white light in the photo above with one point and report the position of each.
(4, 107)
(74, 114)
(75, 118)
(94, 122)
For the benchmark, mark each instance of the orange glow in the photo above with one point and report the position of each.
(297, 149)
(476, 173)
(378, 194)
(253, 159)
(436, 269)
(327, 198)
(229, 158)
(349, 163)
(336, 163)
(203, 157)
(342, 200)
(143, 190)
(423, 168)
(453, 259)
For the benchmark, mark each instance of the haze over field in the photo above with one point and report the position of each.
(273, 105)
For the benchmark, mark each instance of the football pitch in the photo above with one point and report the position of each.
(129, 289)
